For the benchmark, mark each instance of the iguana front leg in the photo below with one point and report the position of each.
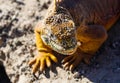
(91, 38)
(45, 54)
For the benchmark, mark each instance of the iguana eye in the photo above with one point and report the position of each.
(51, 35)
(59, 21)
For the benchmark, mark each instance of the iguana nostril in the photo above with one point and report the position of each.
(59, 21)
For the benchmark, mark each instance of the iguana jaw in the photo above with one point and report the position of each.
(59, 48)
(62, 50)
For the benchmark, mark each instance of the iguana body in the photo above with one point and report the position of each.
(73, 27)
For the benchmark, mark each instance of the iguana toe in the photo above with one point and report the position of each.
(42, 60)
(36, 66)
(70, 62)
(48, 62)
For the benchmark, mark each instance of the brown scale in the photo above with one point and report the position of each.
(60, 15)
(49, 20)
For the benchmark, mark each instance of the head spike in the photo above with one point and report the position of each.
(55, 4)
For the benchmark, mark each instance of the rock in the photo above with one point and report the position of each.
(3, 75)
(24, 79)
(2, 55)
(76, 75)
(1, 41)
(20, 2)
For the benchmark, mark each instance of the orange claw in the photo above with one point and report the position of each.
(42, 60)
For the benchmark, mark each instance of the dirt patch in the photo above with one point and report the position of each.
(17, 47)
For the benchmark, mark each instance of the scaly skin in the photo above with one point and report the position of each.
(73, 30)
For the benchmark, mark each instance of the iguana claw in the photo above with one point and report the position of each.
(71, 61)
(42, 60)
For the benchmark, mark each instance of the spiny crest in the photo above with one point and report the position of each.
(56, 3)
(58, 19)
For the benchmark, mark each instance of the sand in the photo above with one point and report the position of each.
(17, 47)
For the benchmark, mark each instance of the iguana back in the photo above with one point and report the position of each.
(93, 11)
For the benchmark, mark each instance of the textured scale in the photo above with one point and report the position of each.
(92, 11)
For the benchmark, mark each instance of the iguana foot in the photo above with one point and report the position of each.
(42, 60)
(72, 61)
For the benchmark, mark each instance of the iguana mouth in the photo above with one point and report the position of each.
(62, 50)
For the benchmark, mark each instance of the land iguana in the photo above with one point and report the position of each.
(76, 28)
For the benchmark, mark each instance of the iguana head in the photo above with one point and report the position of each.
(59, 33)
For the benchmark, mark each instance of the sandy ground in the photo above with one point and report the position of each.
(17, 47)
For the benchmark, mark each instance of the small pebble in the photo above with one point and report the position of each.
(76, 75)
(2, 55)
(1, 41)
